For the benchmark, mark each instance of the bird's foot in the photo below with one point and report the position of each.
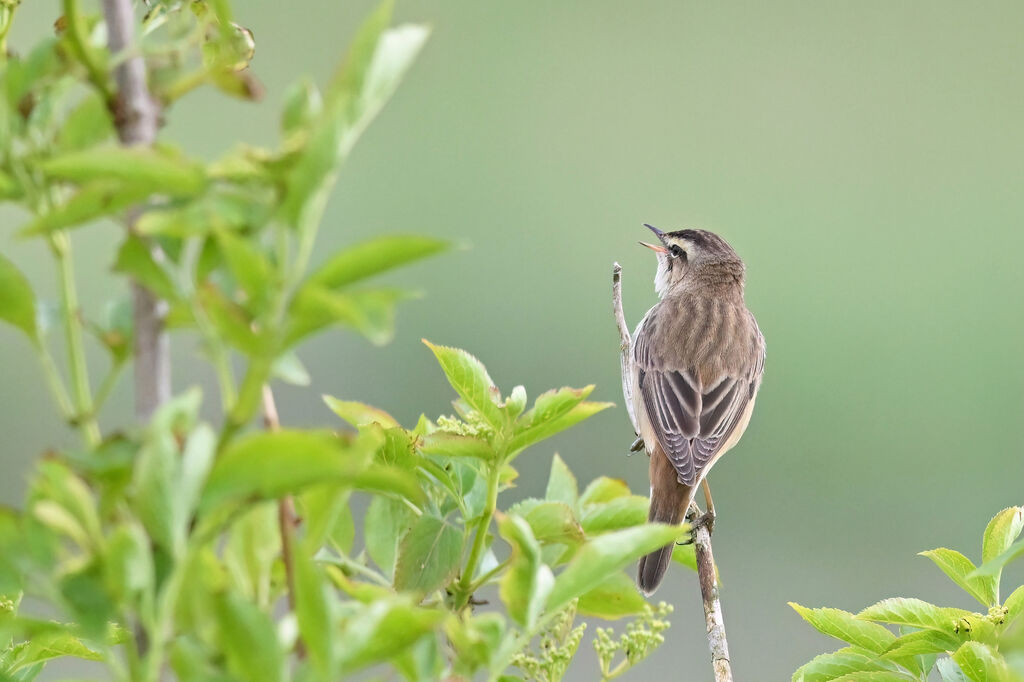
(706, 520)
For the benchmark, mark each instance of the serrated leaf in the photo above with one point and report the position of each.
(359, 414)
(528, 581)
(274, 464)
(1001, 531)
(957, 567)
(552, 404)
(981, 663)
(616, 597)
(373, 257)
(157, 169)
(17, 301)
(546, 429)
(916, 613)
(920, 643)
(600, 557)
(48, 645)
(846, 627)
(562, 486)
(470, 379)
(828, 667)
(428, 555)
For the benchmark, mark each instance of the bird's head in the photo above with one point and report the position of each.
(692, 256)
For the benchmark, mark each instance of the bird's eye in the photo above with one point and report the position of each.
(677, 251)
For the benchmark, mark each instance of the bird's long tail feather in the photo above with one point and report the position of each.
(669, 501)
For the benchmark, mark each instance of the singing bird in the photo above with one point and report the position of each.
(697, 359)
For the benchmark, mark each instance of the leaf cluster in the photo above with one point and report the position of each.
(905, 639)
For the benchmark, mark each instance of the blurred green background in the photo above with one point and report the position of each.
(866, 160)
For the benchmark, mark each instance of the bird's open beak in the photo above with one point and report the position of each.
(660, 235)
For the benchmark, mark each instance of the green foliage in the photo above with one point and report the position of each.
(959, 644)
(171, 549)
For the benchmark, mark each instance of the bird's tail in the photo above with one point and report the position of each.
(669, 501)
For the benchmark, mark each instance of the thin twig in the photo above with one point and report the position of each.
(625, 343)
(286, 518)
(706, 574)
(136, 116)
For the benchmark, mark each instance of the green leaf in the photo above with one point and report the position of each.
(359, 414)
(950, 671)
(302, 106)
(453, 445)
(387, 520)
(314, 609)
(135, 259)
(616, 597)
(551, 405)
(382, 630)
(981, 663)
(958, 567)
(274, 464)
(624, 512)
(546, 429)
(916, 613)
(128, 563)
(562, 486)
(323, 509)
(875, 676)
(289, 369)
(231, 321)
(469, 378)
(846, 627)
(373, 257)
(1014, 605)
(88, 124)
(163, 497)
(921, 643)
(604, 489)
(428, 555)
(553, 522)
(601, 557)
(370, 312)
(382, 479)
(48, 645)
(248, 639)
(994, 567)
(828, 667)
(1001, 531)
(160, 170)
(17, 302)
(369, 74)
(685, 555)
(248, 266)
(252, 548)
(528, 581)
(94, 200)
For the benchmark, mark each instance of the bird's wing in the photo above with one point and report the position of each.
(692, 421)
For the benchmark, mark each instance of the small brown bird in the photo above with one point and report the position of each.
(698, 357)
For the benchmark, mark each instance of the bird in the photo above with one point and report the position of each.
(697, 358)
